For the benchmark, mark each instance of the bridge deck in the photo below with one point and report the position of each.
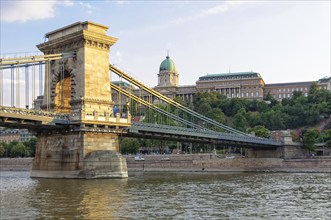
(161, 131)
(24, 118)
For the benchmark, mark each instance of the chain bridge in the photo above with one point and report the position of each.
(76, 117)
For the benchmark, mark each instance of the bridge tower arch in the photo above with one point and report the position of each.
(80, 86)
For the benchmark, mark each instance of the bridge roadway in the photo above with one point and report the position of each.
(158, 131)
(37, 120)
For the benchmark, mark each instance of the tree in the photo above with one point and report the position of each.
(8, 147)
(274, 120)
(129, 145)
(218, 115)
(237, 104)
(19, 150)
(2, 149)
(309, 139)
(240, 121)
(326, 137)
(31, 146)
(254, 119)
(260, 131)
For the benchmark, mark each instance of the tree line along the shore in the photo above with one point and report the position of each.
(302, 114)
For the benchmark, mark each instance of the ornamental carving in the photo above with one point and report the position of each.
(97, 44)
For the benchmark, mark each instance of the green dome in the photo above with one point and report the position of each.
(168, 65)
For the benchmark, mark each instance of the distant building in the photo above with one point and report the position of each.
(233, 85)
(20, 135)
(285, 90)
(325, 83)
(249, 85)
(168, 82)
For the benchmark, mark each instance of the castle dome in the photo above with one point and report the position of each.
(168, 65)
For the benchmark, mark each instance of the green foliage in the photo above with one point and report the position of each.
(129, 145)
(274, 120)
(327, 134)
(298, 111)
(218, 115)
(8, 147)
(19, 150)
(260, 131)
(239, 120)
(254, 118)
(309, 139)
(326, 137)
(2, 149)
(31, 146)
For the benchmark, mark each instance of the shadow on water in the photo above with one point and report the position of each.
(60, 198)
(76, 198)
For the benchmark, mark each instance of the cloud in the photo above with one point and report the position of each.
(219, 9)
(86, 6)
(120, 2)
(22, 11)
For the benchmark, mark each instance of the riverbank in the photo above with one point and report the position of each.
(211, 163)
(16, 164)
(200, 163)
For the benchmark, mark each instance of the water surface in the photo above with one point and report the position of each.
(168, 196)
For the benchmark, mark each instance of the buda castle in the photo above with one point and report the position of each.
(249, 85)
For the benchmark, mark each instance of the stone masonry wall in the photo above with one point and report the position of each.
(201, 163)
(206, 162)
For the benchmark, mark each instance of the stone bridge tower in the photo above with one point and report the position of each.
(81, 82)
(80, 86)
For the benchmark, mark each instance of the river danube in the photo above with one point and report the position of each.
(168, 196)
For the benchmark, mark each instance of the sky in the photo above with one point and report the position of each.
(284, 41)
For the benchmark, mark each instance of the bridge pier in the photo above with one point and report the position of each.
(80, 87)
(80, 154)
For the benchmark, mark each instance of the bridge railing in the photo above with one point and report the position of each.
(202, 133)
(21, 111)
(6, 63)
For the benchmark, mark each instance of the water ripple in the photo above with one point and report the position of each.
(169, 196)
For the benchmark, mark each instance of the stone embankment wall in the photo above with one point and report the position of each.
(206, 162)
(15, 164)
(200, 163)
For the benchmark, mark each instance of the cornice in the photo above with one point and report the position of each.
(78, 40)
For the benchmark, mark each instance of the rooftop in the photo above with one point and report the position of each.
(308, 83)
(229, 75)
